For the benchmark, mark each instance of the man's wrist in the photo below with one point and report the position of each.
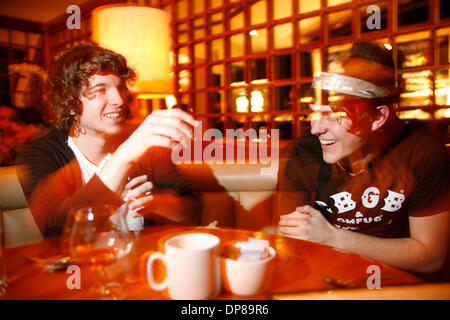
(114, 171)
(122, 157)
(333, 238)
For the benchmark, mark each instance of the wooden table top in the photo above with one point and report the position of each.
(299, 266)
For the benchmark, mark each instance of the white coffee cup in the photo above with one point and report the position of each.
(247, 278)
(192, 263)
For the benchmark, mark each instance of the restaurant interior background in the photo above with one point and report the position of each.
(247, 63)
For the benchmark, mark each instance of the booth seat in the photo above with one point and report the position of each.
(234, 195)
(18, 222)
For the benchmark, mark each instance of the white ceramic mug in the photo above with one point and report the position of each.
(192, 263)
(246, 278)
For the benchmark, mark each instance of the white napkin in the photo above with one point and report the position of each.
(134, 224)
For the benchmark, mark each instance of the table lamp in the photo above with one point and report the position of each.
(141, 34)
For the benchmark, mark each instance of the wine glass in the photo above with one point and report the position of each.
(99, 236)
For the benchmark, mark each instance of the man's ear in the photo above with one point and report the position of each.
(383, 114)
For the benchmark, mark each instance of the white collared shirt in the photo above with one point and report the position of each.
(88, 170)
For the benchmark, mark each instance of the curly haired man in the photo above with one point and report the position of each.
(92, 156)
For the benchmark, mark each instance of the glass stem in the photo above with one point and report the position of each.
(101, 278)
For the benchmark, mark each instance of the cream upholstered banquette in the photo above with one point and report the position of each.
(18, 222)
(234, 195)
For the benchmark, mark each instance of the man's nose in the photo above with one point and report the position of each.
(116, 96)
(318, 125)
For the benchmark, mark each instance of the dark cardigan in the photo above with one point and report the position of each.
(52, 180)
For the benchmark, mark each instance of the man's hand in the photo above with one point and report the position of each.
(307, 223)
(162, 128)
(138, 194)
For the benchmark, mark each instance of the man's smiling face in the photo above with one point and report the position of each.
(332, 129)
(103, 105)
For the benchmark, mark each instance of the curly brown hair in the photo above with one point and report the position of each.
(68, 77)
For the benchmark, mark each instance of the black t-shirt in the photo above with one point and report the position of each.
(52, 180)
(410, 178)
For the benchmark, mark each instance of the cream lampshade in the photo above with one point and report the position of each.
(142, 35)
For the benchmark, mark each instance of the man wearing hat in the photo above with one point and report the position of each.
(363, 181)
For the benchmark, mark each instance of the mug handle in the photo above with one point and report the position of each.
(151, 281)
